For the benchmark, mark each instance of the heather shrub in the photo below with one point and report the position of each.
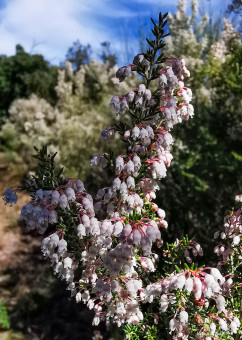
(109, 246)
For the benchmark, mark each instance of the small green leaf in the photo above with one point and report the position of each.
(4, 322)
(237, 156)
(177, 269)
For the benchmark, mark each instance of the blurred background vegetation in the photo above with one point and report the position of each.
(66, 107)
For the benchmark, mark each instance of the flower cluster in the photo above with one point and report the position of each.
(230, 236)
(43, 208)
(206, 289)
(222, 48)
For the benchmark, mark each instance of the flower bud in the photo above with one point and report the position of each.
(136, 237)
(130, 96)
(53, 217)
(63, 201)
(183, 316)
(114, 101)
(55, 197)
(147, 94)
(126, 135)
(127, 230)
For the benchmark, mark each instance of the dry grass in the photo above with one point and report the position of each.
(10, 232)
(9, 335)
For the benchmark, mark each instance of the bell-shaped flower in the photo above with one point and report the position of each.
(80, 186)
(141, 89)
(137, 162)
(130, 167)
(70, 193)
(100, 194)
(130, 182)
(223, 325)
(130, 96)
(138, 100)
(124, 105)
(118, 228)
(62, 247)
(114, 101)
(39, 193)
(53, 217)
(119, 164)
(147, 94)
(63, 201)
(183, 317)
(220, 303)
(55, 197)
(197, 288)
(127, 230)
(150, 131)
(81, 230)
(67, 262)
(135, 132)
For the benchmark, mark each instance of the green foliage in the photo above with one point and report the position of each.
(4, 322)
(23, 74)
(227, 85)
(140, 331)
(235, 6)
(9, 137)
(151, 54)
(47, 177)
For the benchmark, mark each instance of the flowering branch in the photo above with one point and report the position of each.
(107, 247)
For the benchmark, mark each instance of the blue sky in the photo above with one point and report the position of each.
(49, 27)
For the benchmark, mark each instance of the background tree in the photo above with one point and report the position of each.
(79, 54)
(235, 6)
(23, 74)
(107, 55)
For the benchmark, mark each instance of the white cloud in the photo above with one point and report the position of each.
(55, 24)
